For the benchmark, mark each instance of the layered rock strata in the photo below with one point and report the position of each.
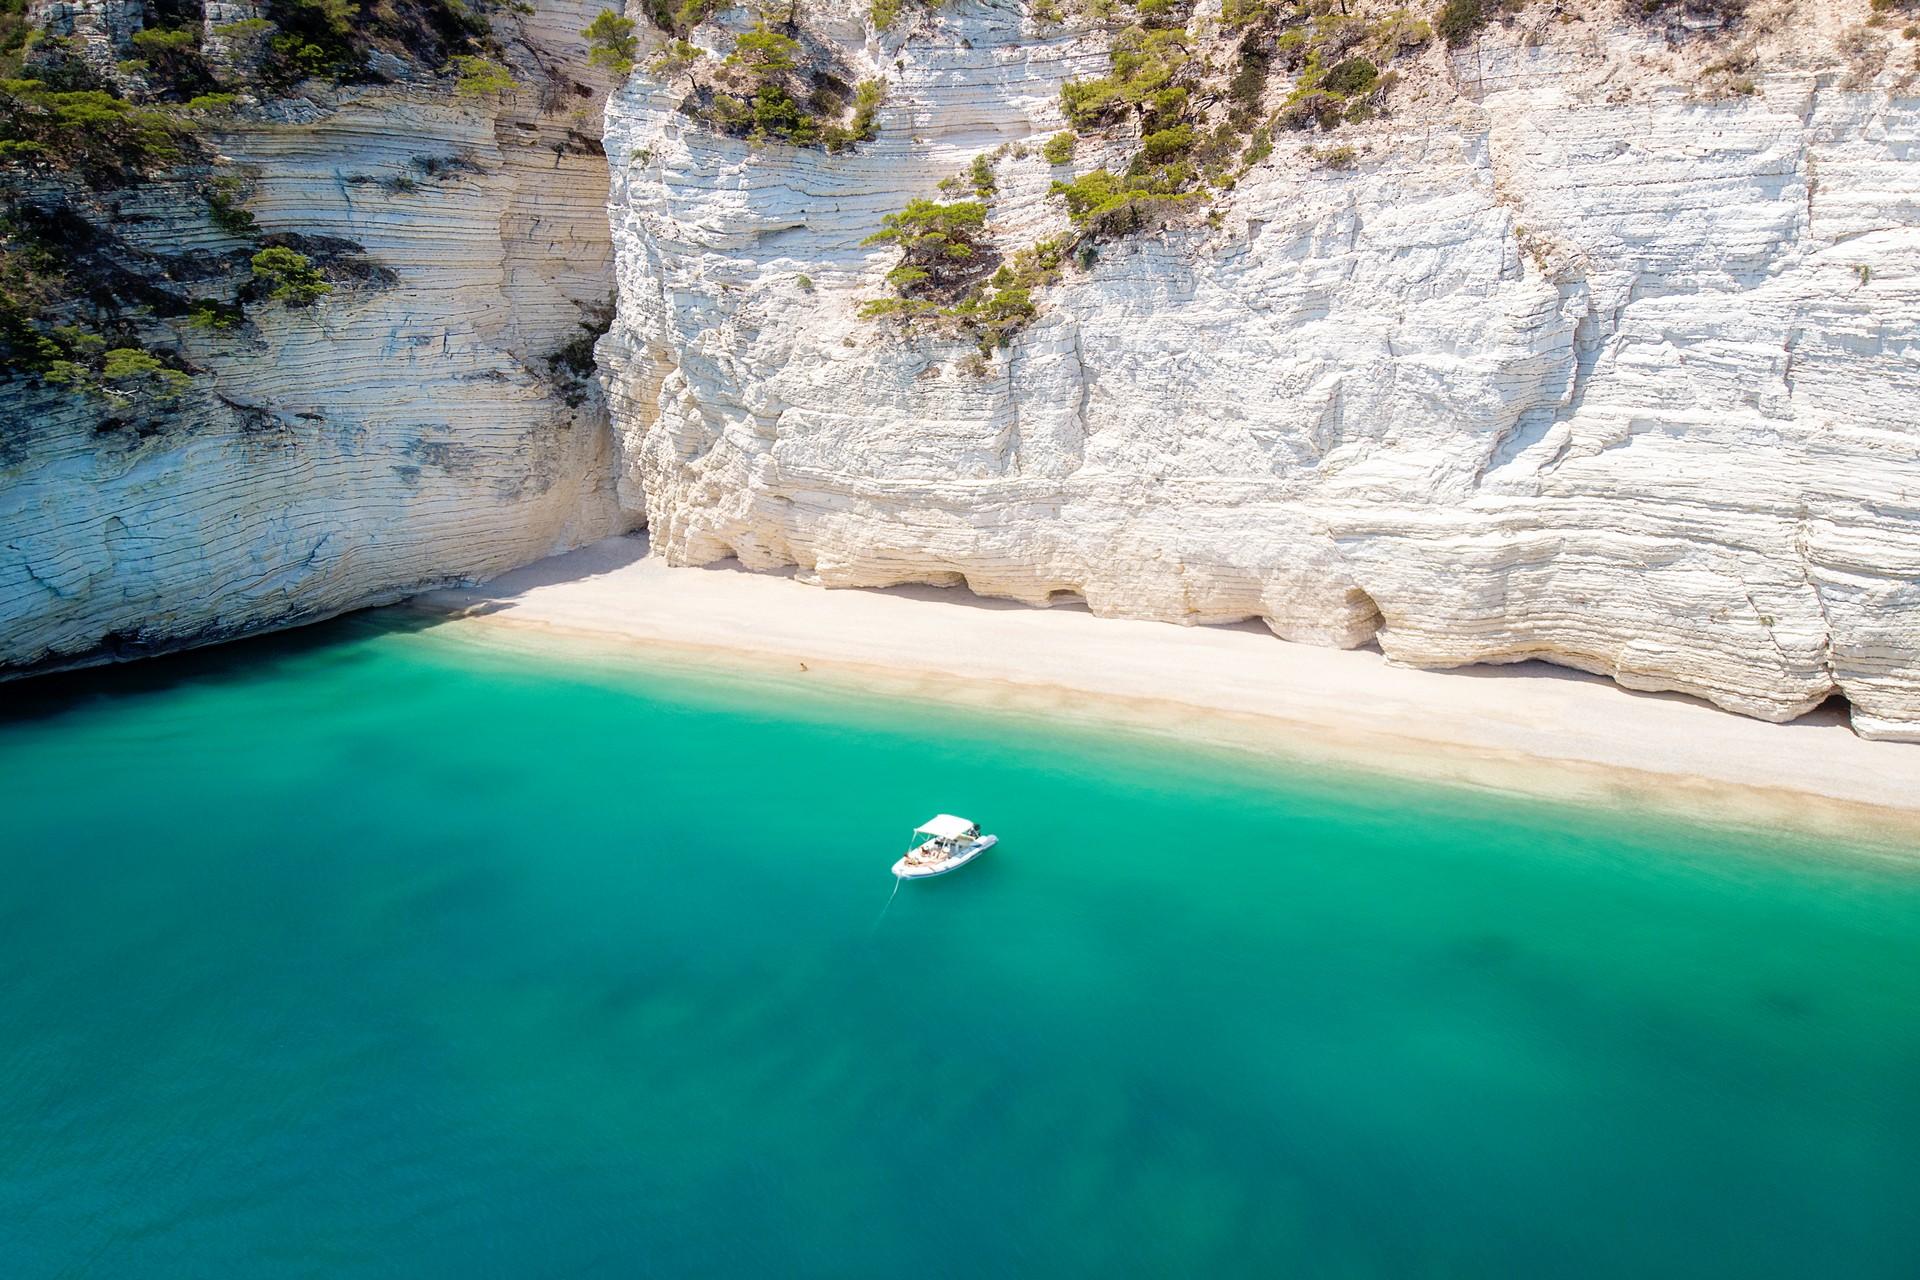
(409, 429)
(1572, 363)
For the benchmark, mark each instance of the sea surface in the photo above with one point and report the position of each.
(378, 951)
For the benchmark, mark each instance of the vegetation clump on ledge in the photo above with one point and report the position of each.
(87, 130)
(951, 275)
(768, 88)
(476, 77)
(286, 275)
(678, 17)
(611, 42)
(60, 111)
(88, 310)
(1106, 203)
(1194, 122)
(988, 308)
(938, 242)
(886, 13)
(68, 307)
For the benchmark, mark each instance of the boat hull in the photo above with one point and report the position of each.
(927, 870)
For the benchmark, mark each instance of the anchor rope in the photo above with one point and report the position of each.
(897, 882)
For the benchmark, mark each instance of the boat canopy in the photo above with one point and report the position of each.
(943, 826)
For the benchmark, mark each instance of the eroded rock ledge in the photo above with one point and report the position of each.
(1573, 362)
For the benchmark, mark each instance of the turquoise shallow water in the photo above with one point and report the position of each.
(371, 952)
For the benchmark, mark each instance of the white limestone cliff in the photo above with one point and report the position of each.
(405, 431)
(1575, 363)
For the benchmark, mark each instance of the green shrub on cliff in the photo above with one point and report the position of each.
(612, 44)
(28, 347)
(764, 53)
(766, 90)
(1457, 20)
(247, 39)
(170, 59)
(86, 129)
(71, 356)
(1164, 143)
(887, 12)
(132, 369)
(333, 38)
(679, 16)
(289, 276)
(1108, 203)
(674, 57)
(64, 303)
(121, 375)
(223, 196)
(481, 77)
(937, 239)
(15, 32)
(988, 311)
(864, 127)
(1144, 63)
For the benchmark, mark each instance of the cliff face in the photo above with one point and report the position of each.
(1597, 344)
(1565, 359)
(409, 428)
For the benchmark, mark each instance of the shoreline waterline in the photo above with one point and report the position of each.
(1545, 734)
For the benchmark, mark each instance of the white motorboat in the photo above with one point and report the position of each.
(943, 843)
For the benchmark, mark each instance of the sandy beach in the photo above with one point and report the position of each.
(1528, 727)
